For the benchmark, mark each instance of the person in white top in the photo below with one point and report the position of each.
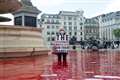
(61, 46)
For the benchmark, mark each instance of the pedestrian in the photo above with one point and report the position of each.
(62, 47)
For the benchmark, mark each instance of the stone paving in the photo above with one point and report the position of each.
(82, 65)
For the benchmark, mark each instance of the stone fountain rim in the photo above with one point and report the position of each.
(26, 28)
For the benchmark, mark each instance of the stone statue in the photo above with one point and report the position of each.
(27, 2)
(9, 8)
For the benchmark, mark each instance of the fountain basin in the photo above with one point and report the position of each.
(19, 41)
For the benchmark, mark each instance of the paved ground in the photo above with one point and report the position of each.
(82, 65)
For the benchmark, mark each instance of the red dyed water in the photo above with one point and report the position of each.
(83, 65)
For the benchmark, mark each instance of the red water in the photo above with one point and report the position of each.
(84, 65)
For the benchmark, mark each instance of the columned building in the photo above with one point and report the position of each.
(91, 29)
(107, 23)
(50, 24)
(73, 23)
(27, 15)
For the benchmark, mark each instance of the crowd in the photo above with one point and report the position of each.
(100, 44)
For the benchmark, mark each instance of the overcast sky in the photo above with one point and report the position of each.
(91, 8)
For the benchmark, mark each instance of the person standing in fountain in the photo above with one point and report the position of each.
(61, 46)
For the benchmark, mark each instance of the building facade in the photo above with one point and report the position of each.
(75, 24)
(50, 24)
(107, 23)
(91, 29)
(72, 22)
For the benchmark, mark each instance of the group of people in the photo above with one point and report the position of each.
(111, 44)
(100, 45)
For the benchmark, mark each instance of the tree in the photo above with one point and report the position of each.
(116, 33)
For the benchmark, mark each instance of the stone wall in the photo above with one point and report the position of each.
(18, 39)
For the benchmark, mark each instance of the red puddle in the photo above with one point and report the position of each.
(80, 66)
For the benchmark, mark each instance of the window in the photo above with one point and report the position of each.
(48, 27)
(64, 18)
(48, 33)
(75, 28)
(53, 39)
(18, 20)
(81, 23)
(53, 33)
(94, 30)
(57, 27)
(48, 38)
(54, 16)
(65, 27)
(64, 23)
(57, 33)
(81, 38)
(30, 21)
(57, 21)
(87, 31)
(52, 27)
(48, 21)
(75, 23)
(75, 33)
(52, 21)
(42, 20)
(69, 18)
(75, 18)
(70, 23)
(81, 33)
(70, 27)
(81, 28)
(90, 31)
(81, 19)
(70, 33)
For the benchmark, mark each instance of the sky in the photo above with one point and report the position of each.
(91, 8)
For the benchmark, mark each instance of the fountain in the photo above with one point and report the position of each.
(19, 41)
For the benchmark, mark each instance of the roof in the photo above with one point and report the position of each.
(91, 20)
(50, 16)
(70, 13)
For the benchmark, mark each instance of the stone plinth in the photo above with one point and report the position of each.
(18, 41)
